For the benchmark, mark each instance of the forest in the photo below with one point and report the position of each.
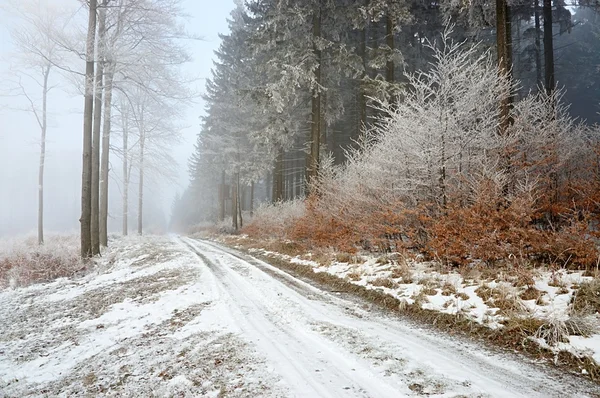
(386, 198)
(465, 131)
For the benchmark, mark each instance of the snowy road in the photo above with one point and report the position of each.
(324, 346)
(177, 317)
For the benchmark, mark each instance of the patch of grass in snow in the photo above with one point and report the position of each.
(54, 323)
(587, 297)
(156, 364)
(23, 262)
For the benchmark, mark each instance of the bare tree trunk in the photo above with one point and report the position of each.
(315, 131)
(141, 185)
(278, 177)
(389, 34)
(504, 47)
(550, 86)
(43, 156)
(234, 202)
(99, 89)
(240, 199)
(269, 187)
(125, 177)
(251, 198)
(222, 197)
(549, 80)
(86, 177)
(362, 98)
(104, 162)
(538, 47)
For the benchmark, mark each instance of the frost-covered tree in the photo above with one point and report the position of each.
(436, 137)
(33, 61)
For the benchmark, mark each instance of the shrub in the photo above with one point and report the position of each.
(24, 262)
(275, 220)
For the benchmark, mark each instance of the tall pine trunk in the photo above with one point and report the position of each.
(504, 48)
(549, 79)
(315, 130)
(234, 202)
(44, 128)
(550, 86)
(362, 98)
(390, 67)
(86, 174)
(222, 197)
(240, 199)
(538, 47)
(277, 195)
(251, 198)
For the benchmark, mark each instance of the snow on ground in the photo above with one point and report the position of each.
(171, 317)
(122, 331)
(452, 293)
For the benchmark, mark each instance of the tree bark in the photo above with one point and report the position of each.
(549, 80)
(222, 197)
(362, 98)
(538, 47)
(234, 202)
(86, 177)
(315, 131)
(251, 198)
(390, 67)
(504, 48)
(98, 94)
(125, 176)
(278, 177)
(44, 128)
(141, 184)
(104, 166)
(240, 201)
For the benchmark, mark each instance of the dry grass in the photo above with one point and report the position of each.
(24, 262)
(402, 271)
(448, 289)
(587, 297)
(531, 293)
(384, 282)
(462, 295)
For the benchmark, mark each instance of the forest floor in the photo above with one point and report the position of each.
(181, 317)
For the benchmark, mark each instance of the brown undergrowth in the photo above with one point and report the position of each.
(24, 262)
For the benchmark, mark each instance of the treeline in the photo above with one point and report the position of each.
(391, 128)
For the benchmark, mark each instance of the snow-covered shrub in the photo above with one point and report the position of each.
(275, 220)
(23, 261)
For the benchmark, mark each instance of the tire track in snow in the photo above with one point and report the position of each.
(309, 365)
(467, 365)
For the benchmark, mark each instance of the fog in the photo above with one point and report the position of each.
(20, 136)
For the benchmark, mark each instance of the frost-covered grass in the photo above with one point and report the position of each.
(23, 261)
(562, 305)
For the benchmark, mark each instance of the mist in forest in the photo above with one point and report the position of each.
(20, 91)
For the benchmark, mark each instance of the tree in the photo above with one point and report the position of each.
(36, 54)
(504, 51)
(96, 132)
(88, 116)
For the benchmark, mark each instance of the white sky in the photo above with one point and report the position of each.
(19, 135)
